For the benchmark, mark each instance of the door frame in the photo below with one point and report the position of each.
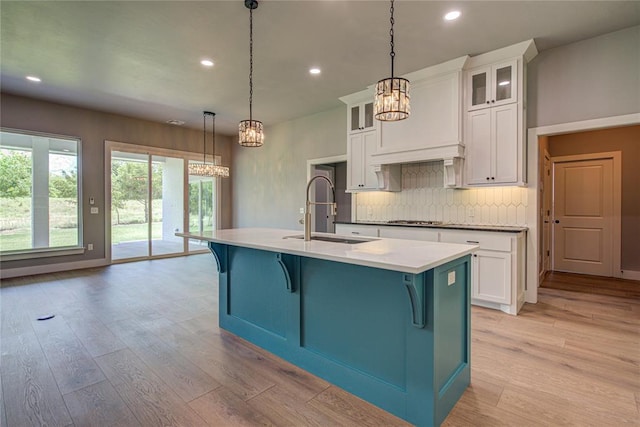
(533, 195)
(311, 167)
(110, 146)
(616, 157)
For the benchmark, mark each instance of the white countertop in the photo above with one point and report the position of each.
(407, 256)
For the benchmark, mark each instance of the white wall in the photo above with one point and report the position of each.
(590, 79)
(270, 182)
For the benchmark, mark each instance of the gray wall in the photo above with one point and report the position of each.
(93, 128)
(593, 78)
(271, 188)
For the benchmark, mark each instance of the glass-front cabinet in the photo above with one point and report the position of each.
(493, 85)
(361, 117)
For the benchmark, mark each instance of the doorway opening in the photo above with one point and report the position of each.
(334, 168)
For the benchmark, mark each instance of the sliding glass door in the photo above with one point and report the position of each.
(148, 203)
(130, 205)
(202, 208)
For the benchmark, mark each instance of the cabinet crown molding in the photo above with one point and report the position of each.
(526, 49)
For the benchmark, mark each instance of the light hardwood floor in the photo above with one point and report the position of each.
(139, 344)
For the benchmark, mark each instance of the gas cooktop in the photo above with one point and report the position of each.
(413, 222)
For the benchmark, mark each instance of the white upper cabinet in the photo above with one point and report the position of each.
(360, 173)
(493, 85)
(361, 117)
(363, 138)
(492, 146)
(495, 121)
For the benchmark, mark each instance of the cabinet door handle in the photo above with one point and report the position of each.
(493, 177)
(487, 178)
(355, 232)
(488, 102)
(473, 241)
(557, 221)
(475, 255)
(493, 100)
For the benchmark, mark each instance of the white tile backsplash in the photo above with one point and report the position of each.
(424, 198)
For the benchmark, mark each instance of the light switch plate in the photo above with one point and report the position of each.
(451, 278)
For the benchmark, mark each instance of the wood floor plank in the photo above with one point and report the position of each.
(340, 405)
(225, 367)
(96, 338)
(30, 392)
(299, 382)
(221, 407)
(184, 378)
(71, 364)
(99, 405)
(285, 409)
(149, 398)
(549, 409)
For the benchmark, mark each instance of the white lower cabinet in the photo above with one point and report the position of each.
(491, 276)
(497, 267)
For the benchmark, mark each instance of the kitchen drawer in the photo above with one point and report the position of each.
(357, 230)
(493, 241)
(411, 233)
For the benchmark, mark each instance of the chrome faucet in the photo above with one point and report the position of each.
(307, 211)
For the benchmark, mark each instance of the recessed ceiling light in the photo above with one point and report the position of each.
(314, 70)
(175, 122)
(34, 79)
(454, 14)
(207, 62)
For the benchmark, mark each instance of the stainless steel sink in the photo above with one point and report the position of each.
(336, 239)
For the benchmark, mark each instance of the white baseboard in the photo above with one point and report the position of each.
(630, 275)
(51, 268)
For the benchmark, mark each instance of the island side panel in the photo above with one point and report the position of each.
(452, 334)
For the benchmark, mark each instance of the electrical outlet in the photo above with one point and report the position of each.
(94, 210)
(301, 210)
(90, 247)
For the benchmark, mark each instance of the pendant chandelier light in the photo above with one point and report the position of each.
(392, 94)
(204, 168)
(250, 132)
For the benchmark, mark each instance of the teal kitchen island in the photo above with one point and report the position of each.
(385, 319)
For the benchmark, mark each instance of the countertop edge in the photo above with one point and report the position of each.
(321, 250)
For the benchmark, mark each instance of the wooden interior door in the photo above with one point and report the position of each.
(583, 217)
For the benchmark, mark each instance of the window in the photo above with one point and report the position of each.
(39, 192)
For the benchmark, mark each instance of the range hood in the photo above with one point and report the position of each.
(433, 132)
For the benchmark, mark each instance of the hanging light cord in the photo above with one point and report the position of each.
(250, 64)
(393, 53)
(204, 138)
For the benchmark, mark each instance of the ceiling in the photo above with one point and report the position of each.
(142, 58)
